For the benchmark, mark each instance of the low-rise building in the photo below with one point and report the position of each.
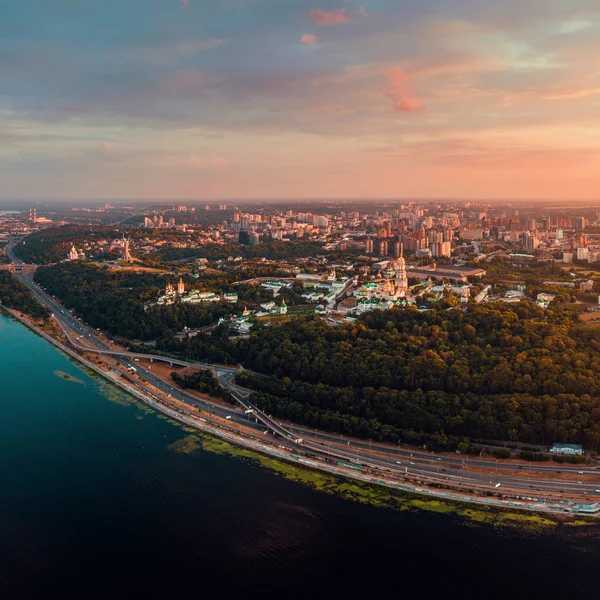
(569, 449)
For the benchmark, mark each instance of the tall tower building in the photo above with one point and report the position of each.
(401, 276)
(181, 287)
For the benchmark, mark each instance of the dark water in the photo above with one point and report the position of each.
(93, 504)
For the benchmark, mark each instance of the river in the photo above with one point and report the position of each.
(94, 503)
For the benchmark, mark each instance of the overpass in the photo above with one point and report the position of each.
(404, 462)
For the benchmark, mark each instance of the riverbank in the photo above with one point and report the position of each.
(276, 452)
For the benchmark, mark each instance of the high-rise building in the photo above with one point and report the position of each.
(530, 242)
(369, 246)
(441, 249)
(33, 214)
(582, 253)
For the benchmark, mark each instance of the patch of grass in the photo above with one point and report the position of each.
(186, 445)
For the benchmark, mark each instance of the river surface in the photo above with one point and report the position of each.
(95, 504)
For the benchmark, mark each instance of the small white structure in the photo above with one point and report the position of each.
(569, 449)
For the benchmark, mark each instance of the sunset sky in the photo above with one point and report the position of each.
(300, 99)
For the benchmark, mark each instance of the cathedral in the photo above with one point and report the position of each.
(395, 285)
(391, 287)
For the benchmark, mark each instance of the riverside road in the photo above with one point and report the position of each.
(523, 481)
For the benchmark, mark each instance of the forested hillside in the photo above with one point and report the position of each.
(14, 294)
(495, 371)
(53, 244)
(115, 300)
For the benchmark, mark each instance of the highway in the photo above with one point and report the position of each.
(532, 481)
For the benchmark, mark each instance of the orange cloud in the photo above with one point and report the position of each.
(308, 39)
(575, 94)
(323, 18)
(401, 92)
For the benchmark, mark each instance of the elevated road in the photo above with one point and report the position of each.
(524, 481)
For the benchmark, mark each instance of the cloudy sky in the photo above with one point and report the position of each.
(300, 98)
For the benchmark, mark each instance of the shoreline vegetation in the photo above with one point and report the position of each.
(67, 377)
(380, 496)
(336, 484)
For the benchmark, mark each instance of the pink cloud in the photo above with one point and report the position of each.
(333, 17)
(401, 92)
(308, 39)
(186, 2)
(323, 18)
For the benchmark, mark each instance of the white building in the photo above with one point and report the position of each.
(569, 449)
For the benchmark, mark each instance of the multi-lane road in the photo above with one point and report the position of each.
(517, 480)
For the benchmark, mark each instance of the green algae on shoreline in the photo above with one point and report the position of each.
(67, 377)
(116, 395)
(384, 497)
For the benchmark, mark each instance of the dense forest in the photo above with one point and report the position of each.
(52, 245)
(121, 301)
(202, 381)
(115, 300)
(512, 372)
(270, 249)
(14, 294)
(489, 371)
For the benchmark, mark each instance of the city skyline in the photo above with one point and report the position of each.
(266, 99)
